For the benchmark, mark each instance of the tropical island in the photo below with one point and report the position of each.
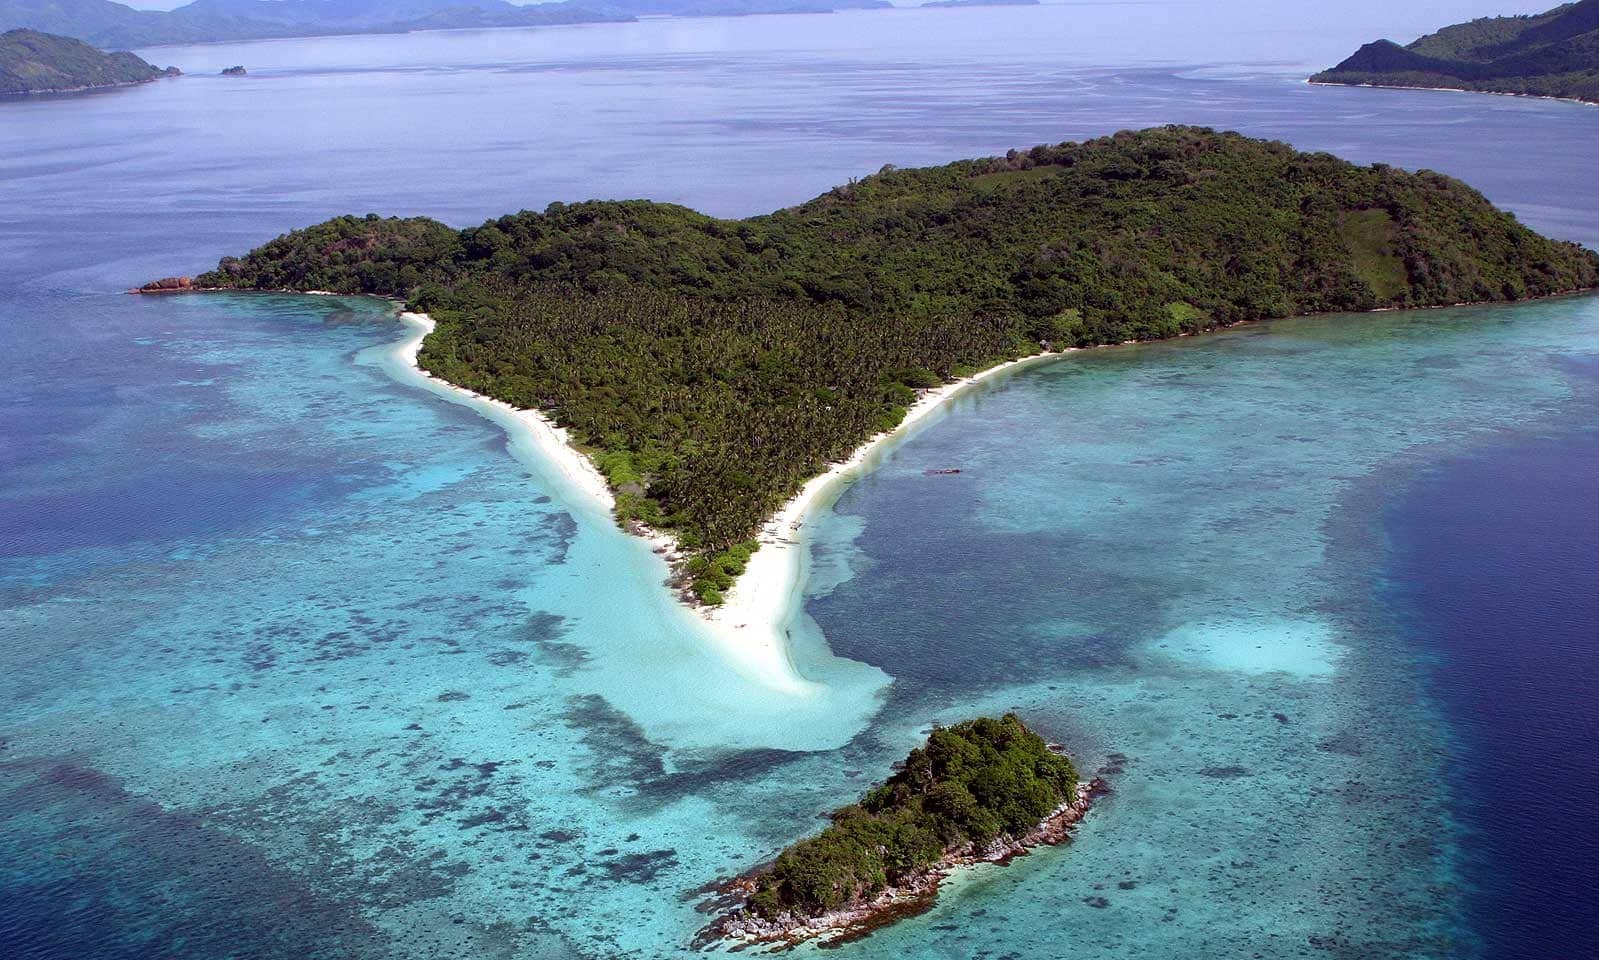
(1553, 54)
(108, 24)
(716, 372)
(982, 791)
(33, 62)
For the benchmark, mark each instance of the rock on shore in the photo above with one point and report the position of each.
(168, 285)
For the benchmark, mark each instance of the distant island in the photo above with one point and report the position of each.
(947, 4)
(237, 71)
(982, 791)
(1554, 54)
(33, 62)
(711, 370)
(107, 24)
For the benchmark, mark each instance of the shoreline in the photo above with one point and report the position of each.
(551, 441)
(762, 595)
(65, 91)
(753, 619)
(752, 625)
(1491, 93)
(758, 643)
(760, 603)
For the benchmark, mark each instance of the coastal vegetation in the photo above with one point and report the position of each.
(1553, 54)
(979, 785)
(33, 62)
(710, 367)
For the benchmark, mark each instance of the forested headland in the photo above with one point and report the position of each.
(710, 367)
(1552, 54)
(33, 62)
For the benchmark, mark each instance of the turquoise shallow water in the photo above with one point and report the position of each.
(299, 659)
(1176, 543)
(409, 698)
(389, 633)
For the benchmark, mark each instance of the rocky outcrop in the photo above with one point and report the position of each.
(234, 72)
(168, 285)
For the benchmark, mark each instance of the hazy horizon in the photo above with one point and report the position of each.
(1419, 18)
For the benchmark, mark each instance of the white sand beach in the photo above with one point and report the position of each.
(752, 623)
(762, 599)
(551, 440)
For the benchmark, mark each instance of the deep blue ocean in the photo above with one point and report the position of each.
(1491, 567)
(299, 658)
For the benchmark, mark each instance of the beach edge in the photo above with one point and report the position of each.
(754, 618)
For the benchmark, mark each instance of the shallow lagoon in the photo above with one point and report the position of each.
(299, 660)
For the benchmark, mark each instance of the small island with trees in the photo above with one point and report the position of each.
(1552, 54)
(34, 62)
(710, 368)
(982, 791)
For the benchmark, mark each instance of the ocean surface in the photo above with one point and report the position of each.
(299, 658)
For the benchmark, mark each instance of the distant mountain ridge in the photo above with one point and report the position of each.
(113, 25)
(953, 4)
(1553, 54)
(34, 62)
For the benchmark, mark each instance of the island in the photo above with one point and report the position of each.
(108, 24)
(33, 62)
(949, 4)
(707, 379)
(238, 71)
(1553, 54)
(983, 791)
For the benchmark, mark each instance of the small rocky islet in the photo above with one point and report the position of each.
(983, 791)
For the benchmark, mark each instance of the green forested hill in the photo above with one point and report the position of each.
(1554, 54)
(714, 365)
(33, 62)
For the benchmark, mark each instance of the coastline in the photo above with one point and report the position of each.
(64, 91)
(1491, 93)
(551, 441)
(756, 638)
(754, 616)
(761, 597)
(752, 623)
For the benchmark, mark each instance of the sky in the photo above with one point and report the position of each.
(1437, 12)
